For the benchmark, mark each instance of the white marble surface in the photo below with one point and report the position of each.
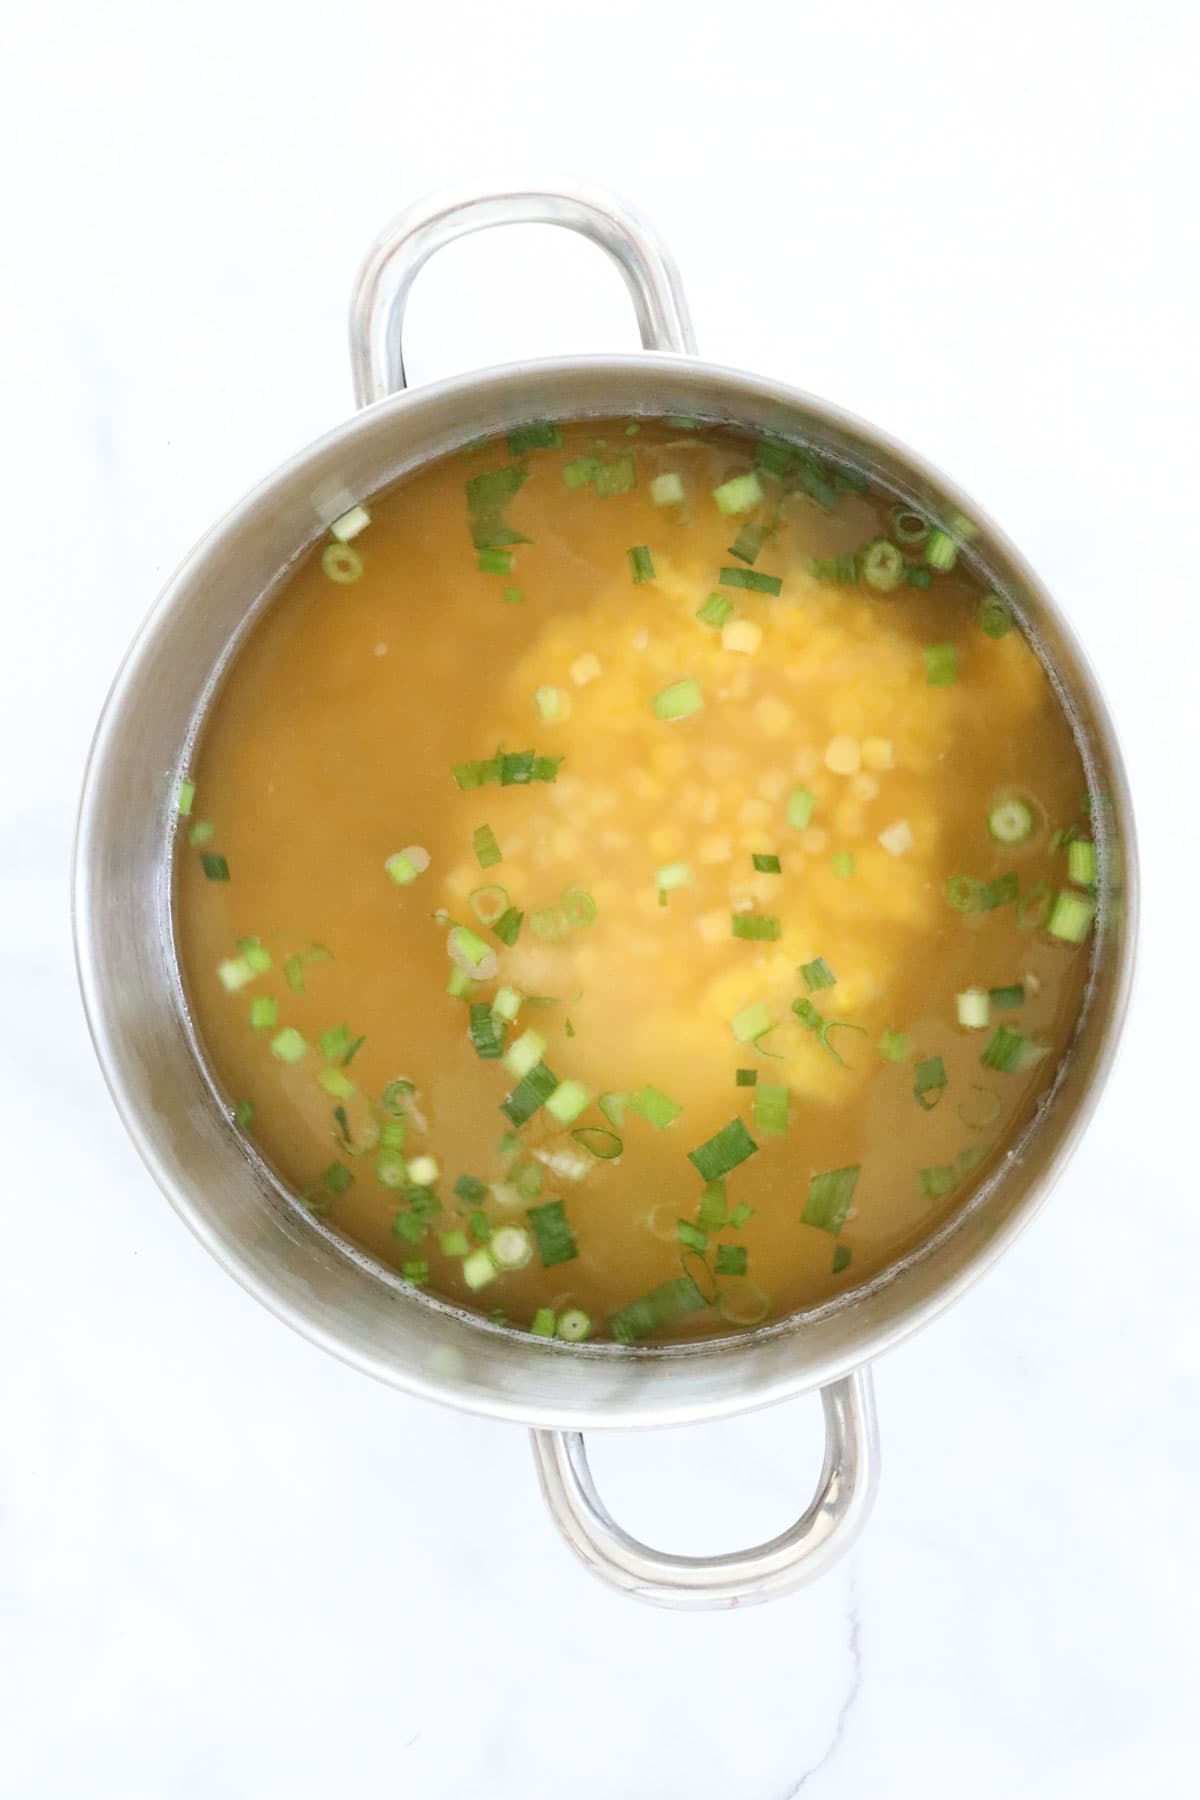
(229, 1566)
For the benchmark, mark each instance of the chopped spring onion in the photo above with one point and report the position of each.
(715, 611)
(995, 616)
(748, 542)
(1081, 862)
(394, 1095)
(510, 1247)
(771, 1106)
(711, 1213)
(941, 665)
(487, 850)
(513, 596)
(974, 1009)
(895, 1047)
(775, 456)
(1003, 998)
(934, 1183)
(724, 1151)
(765, 863)
(842, 568)
(459, 985)
(967, 895)
(751, 1023)
(745, 1077)
(1010, 820)
(391, 1169)
(671, 876)
(342, 564)
(977, 1115)
(407, 864)
(215, 867)
(761, 928)
(258, 958)
(416, 1271)
(616, 477)
(524, 1053)
(573, 1325)
(513, 769)
(578, 908)
(202, 832)
(641, 563)
(487, 903)
(234, 973)
(528, 1181)
(1033, 906)
(941, 551)
(495, 562)
(731, 1259)
(841, 1258)
(1071, 916)
(908, 528)
(185, 796)
(916, 575)
(744, 1303)
(817, 974)
(613, 1105)
(602, 1143)
(657, 1108)
(679, 701)
(288, 1045)
(668, 1302)
(487, 497)
(508, 926)
(423, 1170)
(897, 839)
(531, 1092)
(478, 1269)
(543, 1322)
(1008, 1050)
(486, 1035)
(568, 1100)
(470, 954)
(243, 1114)
(741, 636)
(739, 1214)
(582, 472)
(454, 1243)
(540, 434)
(548, 701)
(667, 490)
(751, 579)
(801, 805)
(842, 864)
(829, 1198)
(929, 1082)
(555, 1239)
(333, 1082)
(741, 494)
(336, 1179)
(349, 524)
(882, 566)
(692, 1236)
(469, 1188)
(264, 1013)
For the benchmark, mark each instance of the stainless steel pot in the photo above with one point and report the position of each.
(133, 996)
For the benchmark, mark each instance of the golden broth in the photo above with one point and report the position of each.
(860, 737)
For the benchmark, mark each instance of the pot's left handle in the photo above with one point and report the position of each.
(403, 247)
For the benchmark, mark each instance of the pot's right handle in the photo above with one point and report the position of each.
(403, 247)
(740, 1577)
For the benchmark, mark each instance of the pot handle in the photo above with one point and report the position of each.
(403, 247)
(739, 1577)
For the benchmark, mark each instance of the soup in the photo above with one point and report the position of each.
(634, 880)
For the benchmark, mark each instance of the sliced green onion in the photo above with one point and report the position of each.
(333, 1082)
(349, 524)
(761, 928)
(478, 1269)
(668, 1302)
(487, 850)
(1033, 906)
(481, 1231)
(613, 1105)
(751, 1023)
(555, 1239)
(744, 1303)
(842, 864)
(515, 769)
(336, 1179)
(977, 1116)
(929, 1082)
(510, 1247)
(692, 1237)
(995, 616)
(1010, 821)
(748, 542)
(234, 973)
(485, 1034)
(813, 478)
(573, 1325)
(508, 926)
(742, 493)
(739, 1214)
(745, 1077)
(1081, 861)
(407, 864)
(541, 434)
(487, 497)
(775, 456)
(578, 907)
(488, 903)
(530, 1093)
(843, 568)
(671, 876)
(657, 1108)
(941, 665)
(543, 1322)
(202, 832)
(841, 1258)
(184, 797)
(667, 490)
(771, 1106)
(801, 805)
(288, 1045)
(215, 867)
(679, 701)
(974, 1009)
(423, 1170)
(817, 974)
(829, 1198)
(342, 564)
(459, 985)
(469, 1188)
(724, 1151)
(934, 1183)
(765, 863)
(243, 1114)
(548, 701)
(416, 1271)
(454, 1243)
(715, 611)
(641, 563)
(617, 477)
(882, 566)
(908, 527)
(1008, 1050)
(1071, 916)
(568, 1100)
(391, 1168)
(916, 575)
(895, 1047)
(495, 562)
(712, 1213)
(255, 954)
(582, 472)
(513, 596)
(524, 1053)
(604, 1144)
(394, 1095)
(751, 579)
(941, 551)
(1005, 997)
(731, 1259)
(528, 1181)
(264, 1013)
